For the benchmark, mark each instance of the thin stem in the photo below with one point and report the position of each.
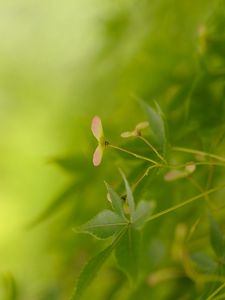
(134, 154)
(192, 151)
(192, 199)
(201, 189)
(216, 292)
(152, 148)
(210, 176)
(143, 176)
(193, 228)
(220, 297)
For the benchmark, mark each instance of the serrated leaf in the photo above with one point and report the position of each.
(216, 238)
(116, 200)
(104, 225)
(130, 198)
(127, 252)
(92, 267)
(142, 213)
(156, 124)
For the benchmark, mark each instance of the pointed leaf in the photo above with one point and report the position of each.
(104, 225)
(127, 252)
(156, 124)
(92, 267)
(142, 213)
(216, 238)
(130, 198)
(72, 164)
(56, 204)
(117, 202)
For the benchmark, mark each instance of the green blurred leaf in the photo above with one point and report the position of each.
(142, 213)
(117, 203)
(216, 238)
(157, 125)
(104, 225)
(204, 262)
(127, 252)
(10, 287)
(56, 204)
(92, 267)
(73, 164)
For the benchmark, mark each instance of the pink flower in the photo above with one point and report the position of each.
(97, 130)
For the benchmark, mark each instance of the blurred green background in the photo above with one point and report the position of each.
(61, 63)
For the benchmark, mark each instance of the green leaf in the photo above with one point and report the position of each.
(142, 213)
(117, 203)
(204, 262)
(10, 287)
(130, 198)
(92, 267)
(72, 164)
(127, 252)
(157, 124)
(56, 204)
(104, 225)
(216, 238)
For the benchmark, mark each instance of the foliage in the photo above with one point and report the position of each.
(142, 216)
(126, 220)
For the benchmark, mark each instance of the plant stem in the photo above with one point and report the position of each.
(152, 148)
(201, 189)
(133, 154)
(216, 292)
(168, 210)
(220, 297)
(192, 151)
(143, 176)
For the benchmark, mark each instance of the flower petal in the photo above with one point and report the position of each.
(96, 127)
(142, 125)
(127, 134)
(190, 168)
(97, 157)
(174, 175)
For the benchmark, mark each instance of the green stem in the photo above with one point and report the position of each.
(143, 176)
(192, 199)
(133, 154)
(201, 189)
(152, 148)
(192, 151)
(216, 292)
(220, 297)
